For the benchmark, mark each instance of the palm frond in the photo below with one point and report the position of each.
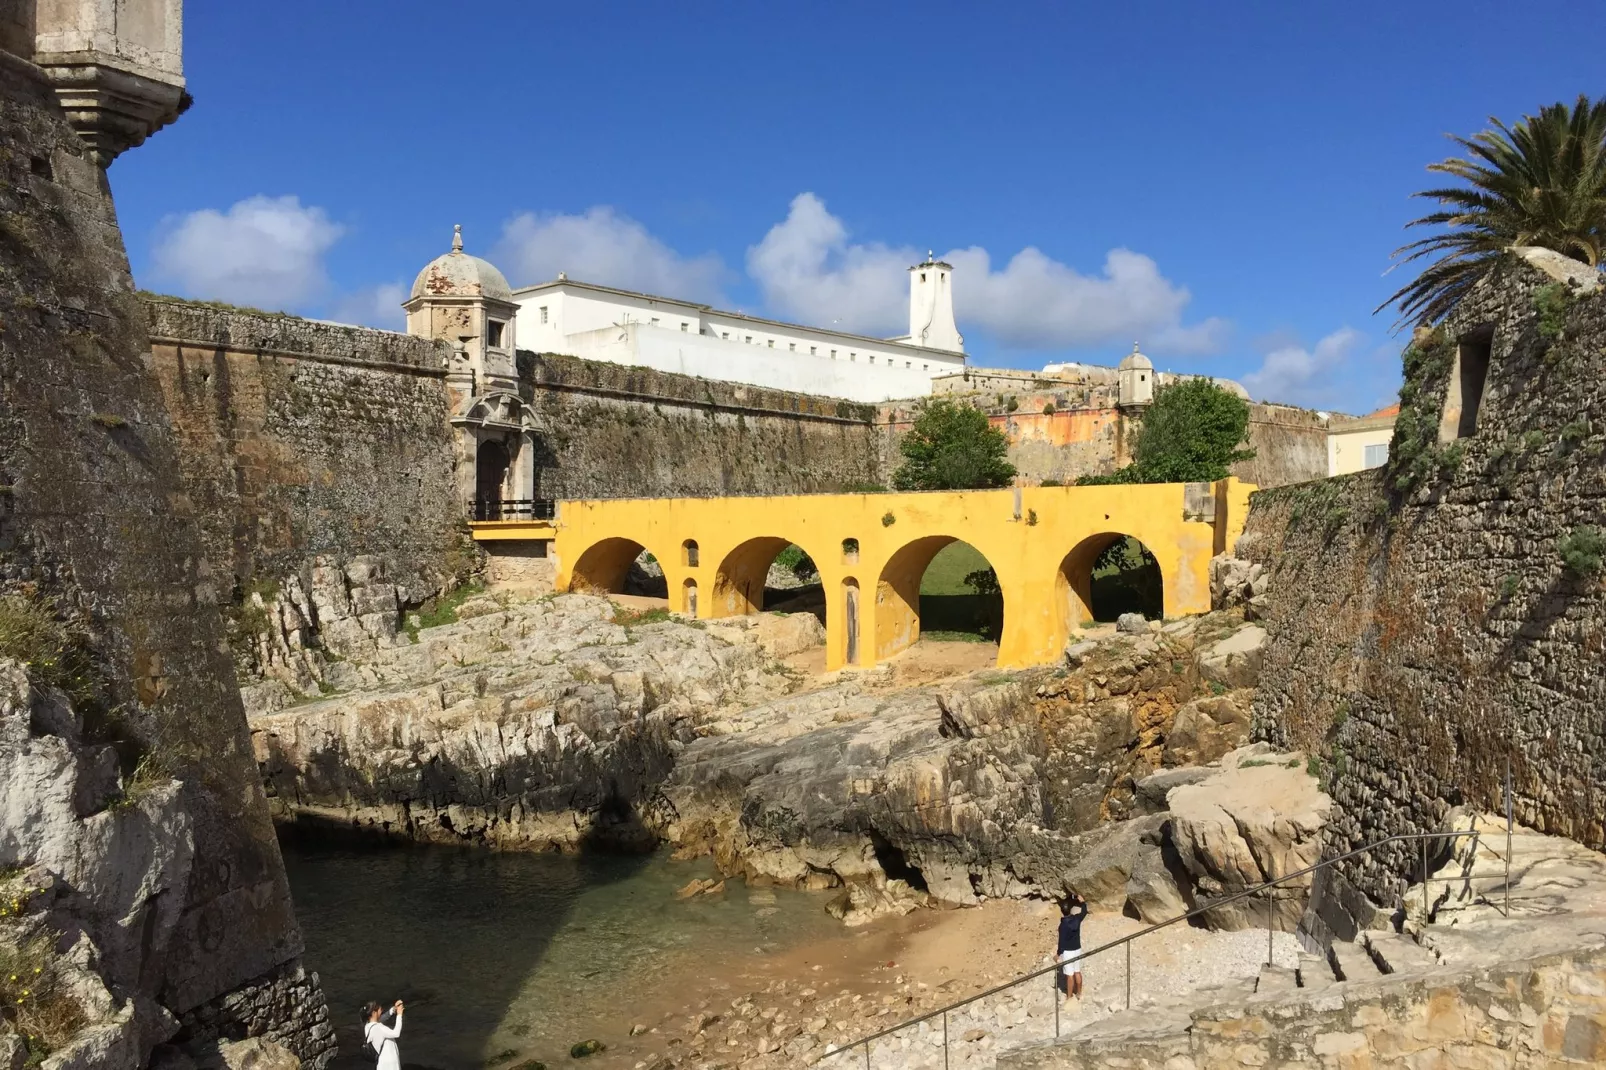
(1540, 181)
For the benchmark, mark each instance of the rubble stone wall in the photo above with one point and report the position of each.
(1432, 620)
(95, 524)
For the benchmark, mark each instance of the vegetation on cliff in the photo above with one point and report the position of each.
(952, 447)
(1541, 182)
(1193, 432)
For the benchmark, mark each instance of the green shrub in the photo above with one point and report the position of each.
(863, 488)
(1582, 550)
(1551, 302)
(587, 1047)
(887, 519)
(952, 447)
(443, 610)
(1052, 483)
(794, 560)
(1508, 587)
(1011, 405)
(1191, 433)
(1048, 409)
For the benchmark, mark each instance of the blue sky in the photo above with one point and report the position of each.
(1223, 182)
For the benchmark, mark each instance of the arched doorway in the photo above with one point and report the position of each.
(490, 476)
(938, 588)
(1107, 575)
(768, 573)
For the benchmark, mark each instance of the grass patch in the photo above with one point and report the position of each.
(34, 1001)
(54, 654)
(993, 679)
(109, 420)
(443, 610)
(628, 617)
(942, 635)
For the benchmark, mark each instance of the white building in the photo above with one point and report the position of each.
(583, 319)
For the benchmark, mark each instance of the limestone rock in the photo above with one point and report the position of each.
(1258, 818)
(253, 1053)
(1234, 581)
(1152, 790)
(13, 1052)
(1158, 888)
(1132, 623)
(1235, 661)
(1207, 728)
(781, 635)
(1108, 858)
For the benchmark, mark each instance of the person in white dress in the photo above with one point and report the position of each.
(381, 1037)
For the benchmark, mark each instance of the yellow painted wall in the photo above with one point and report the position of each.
(1043, 556)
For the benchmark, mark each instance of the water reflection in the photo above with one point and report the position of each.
(515, 953)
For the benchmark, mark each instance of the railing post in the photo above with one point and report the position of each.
(1508, 836)
(1424, 883)
(867, 1055)
(1059, 971)
(1267, 926)
(1129, 975)
(944, 1040)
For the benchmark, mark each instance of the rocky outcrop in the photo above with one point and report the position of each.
(537, 724)
(1259, 818)
(106, 862)
(1130, 704)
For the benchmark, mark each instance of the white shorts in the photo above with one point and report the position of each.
(1072, 962)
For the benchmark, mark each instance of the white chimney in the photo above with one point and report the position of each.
(931, 307)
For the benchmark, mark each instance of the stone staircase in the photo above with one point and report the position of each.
(1460, 984)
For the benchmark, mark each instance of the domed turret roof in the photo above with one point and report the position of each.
(456, 274)
(1135, 359)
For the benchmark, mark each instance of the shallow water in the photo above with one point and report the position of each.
(527, 953)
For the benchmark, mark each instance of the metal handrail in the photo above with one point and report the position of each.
(1126, 941)
(513, 509)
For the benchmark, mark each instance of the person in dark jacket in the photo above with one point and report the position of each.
(1069, 949)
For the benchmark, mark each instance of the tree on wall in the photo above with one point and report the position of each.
(952, 447)
(1191, 433)
(1541, 182)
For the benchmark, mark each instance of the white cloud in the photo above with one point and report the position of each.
(372, 306)
(604, 247)
(1338, 372)
(264, 251)
(1039, 303)
(808, 269)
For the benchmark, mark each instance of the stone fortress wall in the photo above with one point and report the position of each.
(1070, 425)
(1432, 620)
(183, 890)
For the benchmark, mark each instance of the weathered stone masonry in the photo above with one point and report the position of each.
(93, 517)
(1423, 624)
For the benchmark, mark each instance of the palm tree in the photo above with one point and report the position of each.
(1541, 182)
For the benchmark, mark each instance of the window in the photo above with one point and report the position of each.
(748, 339)
(792, 346)
(814, 351)
(1377, 456)
(1469, 378)
(850, 551)
(654, 321)
(543, 313)
(689, 548)
(833, 354)
(683, 327)
(853, 356)
(725, 335)
(772, 343)
(922, 276)
(493, 333)
(908, 364)
(925, 367)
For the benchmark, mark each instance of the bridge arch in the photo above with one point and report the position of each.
(603, 566)
(1080, 596)
(739, 581)
(897, 597)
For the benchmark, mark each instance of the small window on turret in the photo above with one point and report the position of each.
(922, 276)
(493, 334)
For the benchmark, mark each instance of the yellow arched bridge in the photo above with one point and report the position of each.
(872, 550)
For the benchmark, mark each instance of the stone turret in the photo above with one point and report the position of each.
(466, 301)
(1136, 375)
(931, 306)
(116, 66)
